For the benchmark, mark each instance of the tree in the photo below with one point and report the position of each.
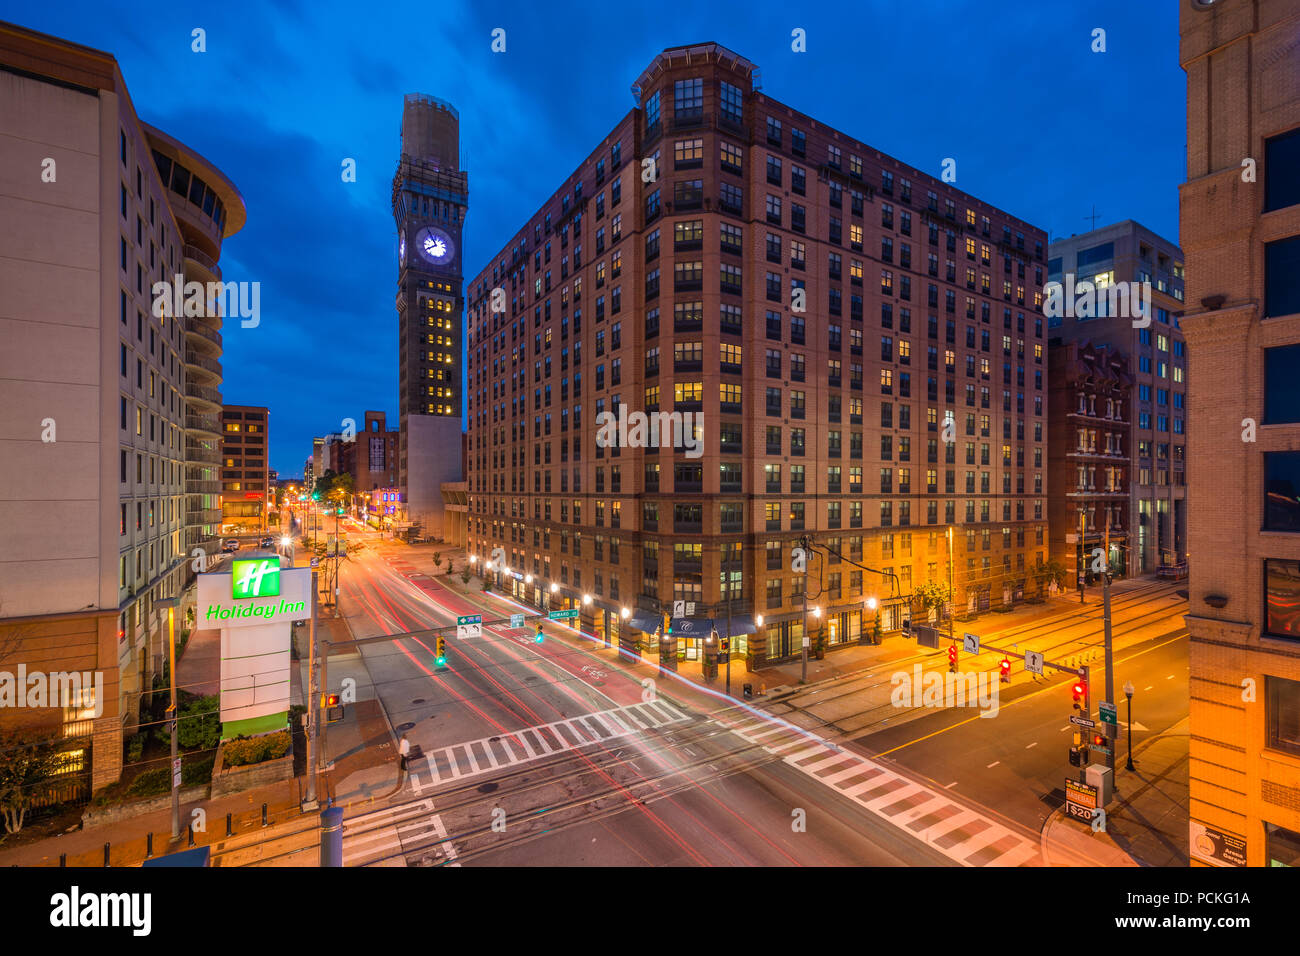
(26, 767)
(932, 595)
(1046, 573)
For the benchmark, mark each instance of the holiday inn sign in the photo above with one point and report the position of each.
(256, 591)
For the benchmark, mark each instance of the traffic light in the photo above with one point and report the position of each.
(540, 636)
(1005, 668)
(952, 658)
(331, 700)
(724, 645)
(441, 657)
(1079, 690)
(907, 627)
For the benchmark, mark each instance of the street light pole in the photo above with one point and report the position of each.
(170, 604)
(952, 594)
(1128, 692)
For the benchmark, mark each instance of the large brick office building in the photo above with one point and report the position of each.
(678, 291)
(1242, 240)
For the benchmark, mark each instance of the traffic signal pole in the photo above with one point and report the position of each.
(1112, 730)
(309, 801)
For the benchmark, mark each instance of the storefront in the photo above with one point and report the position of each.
(843, 627)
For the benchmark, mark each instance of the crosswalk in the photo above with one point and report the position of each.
(462, 761)
(961, 834)
(380, 837)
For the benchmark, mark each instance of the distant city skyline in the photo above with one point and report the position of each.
(325, 250)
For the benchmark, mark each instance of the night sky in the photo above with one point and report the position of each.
(1039, 125)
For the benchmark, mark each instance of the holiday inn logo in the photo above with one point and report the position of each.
(259, 577)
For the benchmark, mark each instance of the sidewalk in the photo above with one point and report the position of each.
(1146, 823)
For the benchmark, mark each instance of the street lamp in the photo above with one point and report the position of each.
(1128, 692)
(171, 604)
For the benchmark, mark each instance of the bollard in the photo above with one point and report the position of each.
(148, 850)
(264, 815)
(191, 829)
(229, 825)
(63, 860)
(106, 846)
(331, 837)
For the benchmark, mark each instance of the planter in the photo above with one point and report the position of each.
(98, 816)
(228, 780)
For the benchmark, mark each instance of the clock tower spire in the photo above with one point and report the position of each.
(430, 200)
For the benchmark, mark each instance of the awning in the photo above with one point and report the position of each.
(646, 621)
(740, 624)
(692, 626)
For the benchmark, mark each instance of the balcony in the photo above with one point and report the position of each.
(206, 335)
(202, 486)
(203, 393)
(203, 423)
(195, 254)
(201, 516)
(197, 454)
(203, 364)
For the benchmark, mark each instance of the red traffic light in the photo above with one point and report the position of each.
(1079, 688)
(332, 700)
(952, 653)
(1006, 665)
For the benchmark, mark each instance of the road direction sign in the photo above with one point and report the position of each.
(516, 620)
(1108, 713)
(564, 615)
(971, 643)
(469, 619)
(469, 625)
(1034, 662)
(679, 609)
(1082, 721)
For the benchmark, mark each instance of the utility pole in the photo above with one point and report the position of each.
(803, 679)
(952, 594)
(309, 801)
(1112, 731)
(1083, 541)
(727, 575)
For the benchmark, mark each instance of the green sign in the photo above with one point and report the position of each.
(464, 619)
(562, 615)
(1108, 714)
(254, 578)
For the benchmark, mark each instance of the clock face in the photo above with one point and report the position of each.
(435, 245)
(401, 249)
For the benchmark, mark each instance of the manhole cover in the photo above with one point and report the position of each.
(487, 788)
(406, 726)
(494, 739)
(418, 700)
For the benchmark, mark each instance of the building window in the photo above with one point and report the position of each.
(1282, 170)
(1282, 599)
(1281, 391)
(688, 99)
(1282, 277)
(1282, 714)
(1282, 491)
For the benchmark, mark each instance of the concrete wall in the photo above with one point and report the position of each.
(432, 457)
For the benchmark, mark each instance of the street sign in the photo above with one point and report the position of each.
(176, 772)
(690, 609)
(516, 620)
(1108, 713)
(679, 609)
(1082, 721)
(971, 643)
(1034, 662)
(469, 625)
(805, 642)
(564, 615)
(469, 619)
(315, 563)
(1080, 800)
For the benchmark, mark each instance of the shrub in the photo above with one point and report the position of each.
(135, 748)
(244, 751)
(197, 772)
(200, 724)
(151, 782)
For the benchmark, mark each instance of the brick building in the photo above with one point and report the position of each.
(1089, 455)
(1110, 257)
(716, 248)
(1241, 235)
(245, 446)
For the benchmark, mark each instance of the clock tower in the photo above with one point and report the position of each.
(430, 200)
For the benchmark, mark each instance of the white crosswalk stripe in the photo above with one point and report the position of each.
(457, 761)
(379, 837)
(961, 834)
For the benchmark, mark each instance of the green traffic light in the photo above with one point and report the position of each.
(540, 637)
(441, 662)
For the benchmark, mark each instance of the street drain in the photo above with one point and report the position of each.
(406, 726)
(487, 788)
(418, 700)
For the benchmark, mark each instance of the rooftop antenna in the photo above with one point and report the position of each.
(1093, 217)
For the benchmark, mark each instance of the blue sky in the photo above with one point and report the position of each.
(1039, 124)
